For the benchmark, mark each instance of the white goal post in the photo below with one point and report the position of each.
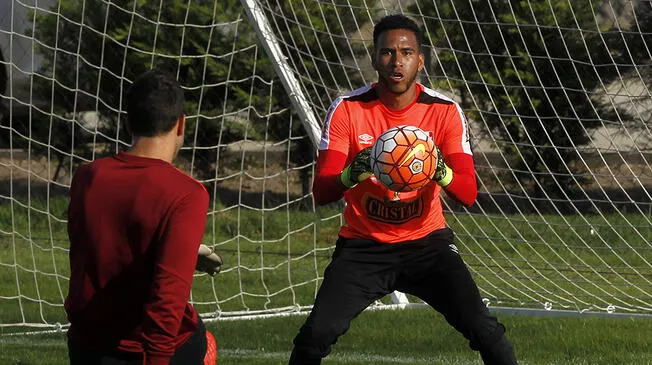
(557, 95)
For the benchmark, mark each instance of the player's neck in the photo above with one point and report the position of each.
(153, 147)
(396, 101)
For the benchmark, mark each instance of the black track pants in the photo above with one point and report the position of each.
(362, 271)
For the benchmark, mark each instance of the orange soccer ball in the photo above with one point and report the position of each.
(404, 158)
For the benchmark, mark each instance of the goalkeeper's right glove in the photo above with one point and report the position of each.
(358, 170)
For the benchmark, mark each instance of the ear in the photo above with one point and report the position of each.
(422, 61)
(181, 125)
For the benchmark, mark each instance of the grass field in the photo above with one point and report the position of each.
(274, 259)
(414, 336)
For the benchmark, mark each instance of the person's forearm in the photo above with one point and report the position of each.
(327, 187)
(463, 187)
(163, 313)
(174, 266)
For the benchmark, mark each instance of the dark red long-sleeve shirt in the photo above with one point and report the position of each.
(135, 225)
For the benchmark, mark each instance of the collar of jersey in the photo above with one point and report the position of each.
(398, 112)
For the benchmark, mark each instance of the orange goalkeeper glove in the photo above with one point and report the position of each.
(358, 170)
(443, 174)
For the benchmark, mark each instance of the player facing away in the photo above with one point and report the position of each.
(135, 225)
(395, 241)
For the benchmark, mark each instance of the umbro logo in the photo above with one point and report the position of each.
(454, 248)
(365, 139)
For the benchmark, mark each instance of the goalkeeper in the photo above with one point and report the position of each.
(135, 224)
(395, 241)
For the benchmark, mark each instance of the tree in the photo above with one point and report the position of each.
(317, 45)
(636, 43)
(528, 70)
(3, 87)
(3, 74)
(94, 49)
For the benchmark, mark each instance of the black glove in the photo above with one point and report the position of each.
(358, 170)
(443, 174)
(208, 261)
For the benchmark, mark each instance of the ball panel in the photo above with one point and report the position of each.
(385, 179)
(389, 145)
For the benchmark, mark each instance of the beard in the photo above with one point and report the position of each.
(398, 88)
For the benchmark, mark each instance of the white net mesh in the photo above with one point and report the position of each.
(557, 93)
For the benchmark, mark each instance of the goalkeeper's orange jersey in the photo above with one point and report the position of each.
(372, 211)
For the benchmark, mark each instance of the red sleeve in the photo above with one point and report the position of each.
(327, 186)
(173, 273)
(463, 187)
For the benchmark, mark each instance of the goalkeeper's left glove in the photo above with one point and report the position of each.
(443, 174)
(208, 261)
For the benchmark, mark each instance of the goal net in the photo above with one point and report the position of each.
(557, 94)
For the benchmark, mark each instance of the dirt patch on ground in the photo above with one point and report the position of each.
(612, 182)
(254, 185)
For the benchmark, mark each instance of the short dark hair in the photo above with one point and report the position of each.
(397, 21)
(154, 103)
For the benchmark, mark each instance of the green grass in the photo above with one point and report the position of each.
(413, 336)
(275, 259)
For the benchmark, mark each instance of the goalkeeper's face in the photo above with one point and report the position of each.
(397, 59)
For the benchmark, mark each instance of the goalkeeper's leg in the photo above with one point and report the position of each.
(193, 350)
(356, 264)
(440, 277)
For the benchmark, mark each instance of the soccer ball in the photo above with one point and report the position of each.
(404, 158)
